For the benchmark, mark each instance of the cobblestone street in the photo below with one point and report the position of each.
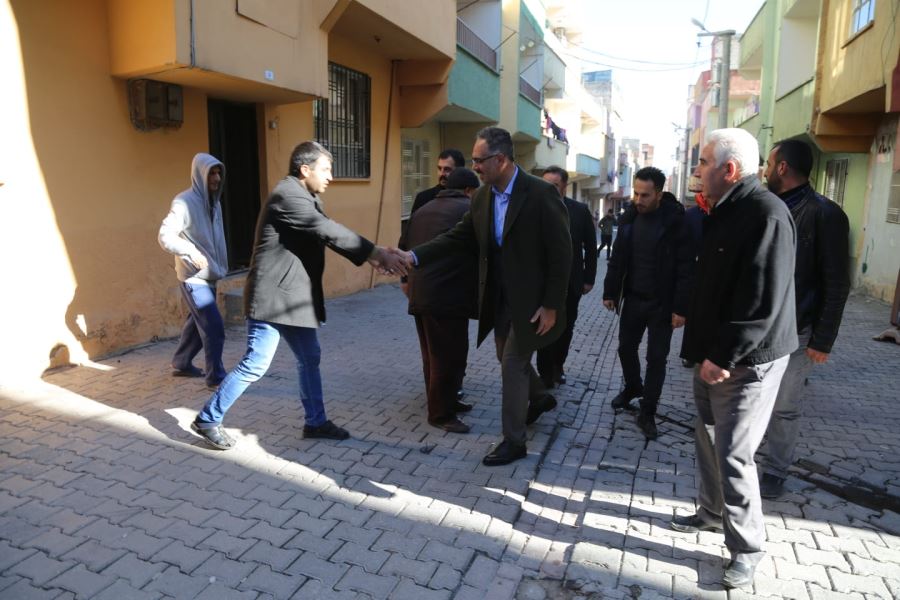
(105, 493)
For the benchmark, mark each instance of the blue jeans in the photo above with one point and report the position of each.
(204, 329)
(262, 342)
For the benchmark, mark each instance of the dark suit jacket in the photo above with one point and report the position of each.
(284, 284)
(445, 287)
(537, 255)
(584, 246)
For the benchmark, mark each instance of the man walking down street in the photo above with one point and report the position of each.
(194, 233)
(551, 359)
(648, 281)
(283, 296)
(606, 225)
(518, 229)
(442, 298)
(740, 330)
(821, 285)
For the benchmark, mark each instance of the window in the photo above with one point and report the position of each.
(863, 14)
(893, 209)
(343, 121)
(415, 162)
(836, 179)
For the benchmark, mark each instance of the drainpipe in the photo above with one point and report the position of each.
(193, 51)
(387, 139)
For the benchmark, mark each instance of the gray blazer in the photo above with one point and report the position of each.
(285, 281)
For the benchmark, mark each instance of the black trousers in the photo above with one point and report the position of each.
(444, 343)
(639, 315)
(550, 359)
(605, 242)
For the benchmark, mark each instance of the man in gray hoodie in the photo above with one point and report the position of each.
(193, 232)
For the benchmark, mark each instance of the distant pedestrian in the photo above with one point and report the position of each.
(821, 284)
(442, 299)
(740, 329)
(648, 282)
(606, 233)
(283, 296)
(551, 359)
(194, 233)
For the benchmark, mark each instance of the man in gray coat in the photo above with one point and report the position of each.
(283, 297)
(193, 233)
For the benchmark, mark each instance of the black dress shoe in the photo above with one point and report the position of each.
(460, 394)
(461, 407)
(539, 407)
(505, 453)
(738, 574)
(326, 430)
(561, 378)
(215, 436)
(771, 486)
(694, 523)
(189, 371)
(647, 423)
(624, 397)
(453, 425)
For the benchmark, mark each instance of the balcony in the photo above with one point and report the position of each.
(794, 111)
(550, 152)
(529, 91)
(587, 166)
(469, 41)
(751, 58)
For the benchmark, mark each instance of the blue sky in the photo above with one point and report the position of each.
(647, 33)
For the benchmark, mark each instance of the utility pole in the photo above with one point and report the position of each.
(725, 71)
(686, 175)
(724, 77)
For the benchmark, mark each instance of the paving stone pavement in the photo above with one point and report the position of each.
(105, 492)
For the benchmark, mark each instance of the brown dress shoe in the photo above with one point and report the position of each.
(453, 425)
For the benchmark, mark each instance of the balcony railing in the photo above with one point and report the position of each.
(529, 91)
(474, 45)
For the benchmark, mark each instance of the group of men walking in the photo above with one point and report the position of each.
(513, 252)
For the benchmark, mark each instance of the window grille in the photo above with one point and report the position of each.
(863, 14)
(415, 162)
(836, 179)
(893, 209)
(343, 121)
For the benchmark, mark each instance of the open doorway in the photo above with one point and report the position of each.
(233, 140)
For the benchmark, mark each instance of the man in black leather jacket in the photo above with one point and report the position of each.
(821, 283)
(648, 281)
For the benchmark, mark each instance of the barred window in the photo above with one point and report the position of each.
(836, 179)
(343, 121)
(415, 164)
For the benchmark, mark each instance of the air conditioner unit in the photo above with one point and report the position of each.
(154, 104)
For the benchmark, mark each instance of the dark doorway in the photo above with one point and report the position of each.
(232, 139)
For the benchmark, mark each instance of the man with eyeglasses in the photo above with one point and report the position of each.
(518, 230)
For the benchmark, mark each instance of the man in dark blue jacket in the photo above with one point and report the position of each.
(648, 282)
(821, 284)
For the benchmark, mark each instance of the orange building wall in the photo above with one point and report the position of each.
(91, 189)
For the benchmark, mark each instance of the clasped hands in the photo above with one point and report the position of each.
(390, 261)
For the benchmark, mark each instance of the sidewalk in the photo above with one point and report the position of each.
(105, 493)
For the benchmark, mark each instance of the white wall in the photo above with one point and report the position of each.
(797, 54)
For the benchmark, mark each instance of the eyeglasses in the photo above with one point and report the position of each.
(477, 161)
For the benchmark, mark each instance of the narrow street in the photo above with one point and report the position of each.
(105, 493)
